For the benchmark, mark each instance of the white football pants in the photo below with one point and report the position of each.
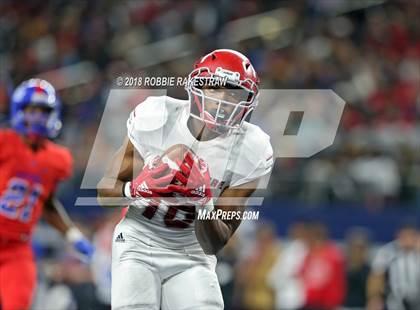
(148, 276)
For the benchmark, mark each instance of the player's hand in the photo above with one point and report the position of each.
(84, 248)
(194, 179)
(152, 182)
(80, 244)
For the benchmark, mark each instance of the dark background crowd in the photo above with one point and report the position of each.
(362, 189)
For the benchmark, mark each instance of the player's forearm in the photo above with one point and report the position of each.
(109, 190)
(55, 220)
(212, 234)
(120, 170)
(56, 216)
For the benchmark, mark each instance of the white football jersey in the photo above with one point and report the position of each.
(158, 123)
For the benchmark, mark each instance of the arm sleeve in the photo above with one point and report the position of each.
(263, 167)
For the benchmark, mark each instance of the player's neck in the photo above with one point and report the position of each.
(33, 144)
(200, 131)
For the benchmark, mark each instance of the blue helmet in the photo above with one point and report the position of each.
(37, 93)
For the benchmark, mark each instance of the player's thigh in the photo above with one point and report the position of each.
(17, 283)
(194, 288)
(134, 286)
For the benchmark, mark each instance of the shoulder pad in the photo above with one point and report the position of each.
(255, 146)
(149, 115)
(8, 138)
(62, 160)
(254, 156)
(147, 123)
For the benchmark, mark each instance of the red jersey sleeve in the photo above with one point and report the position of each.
(66, 167)
(61, 160)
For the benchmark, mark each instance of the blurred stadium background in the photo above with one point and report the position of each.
(360, 190)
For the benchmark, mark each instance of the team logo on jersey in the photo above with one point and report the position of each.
(120, 238)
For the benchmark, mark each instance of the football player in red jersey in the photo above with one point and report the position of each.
(31, 166)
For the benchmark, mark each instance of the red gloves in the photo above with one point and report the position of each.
(158, 181)
(152, 182)
(194, 177)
